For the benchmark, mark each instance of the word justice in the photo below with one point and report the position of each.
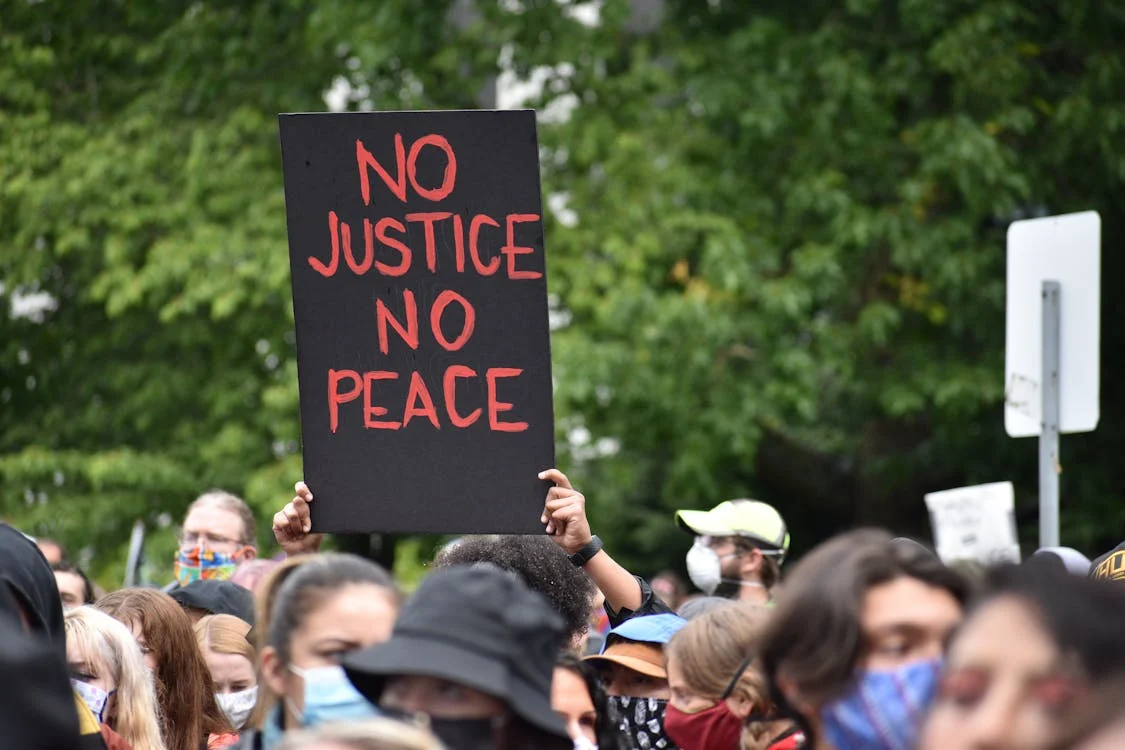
(346, 386)
(385, 248)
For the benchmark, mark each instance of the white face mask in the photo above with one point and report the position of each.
(581, 743)
(237, 706)
(704, 567)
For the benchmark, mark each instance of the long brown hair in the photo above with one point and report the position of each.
(711, 649)
(188, 710)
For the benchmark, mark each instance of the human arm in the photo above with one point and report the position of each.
(564, 516)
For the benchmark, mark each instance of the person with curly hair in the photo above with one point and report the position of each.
(539, 563)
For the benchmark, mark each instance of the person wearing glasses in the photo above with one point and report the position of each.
(738, 551)
(218, 533)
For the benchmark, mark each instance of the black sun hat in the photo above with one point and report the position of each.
(216, 597)
(475, 626)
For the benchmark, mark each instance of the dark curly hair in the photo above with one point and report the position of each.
(539, 563)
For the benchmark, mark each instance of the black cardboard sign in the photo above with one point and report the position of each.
(420, 298)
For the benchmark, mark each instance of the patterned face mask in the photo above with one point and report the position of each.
(641, 720)
(202, 563)
(885, 709)
(93, 696)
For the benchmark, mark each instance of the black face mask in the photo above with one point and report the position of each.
(465, 734)
(641, 721)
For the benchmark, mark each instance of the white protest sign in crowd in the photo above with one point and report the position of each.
(975, 523)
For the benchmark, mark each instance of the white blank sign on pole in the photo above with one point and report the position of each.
(1066, 249)
(975, 523)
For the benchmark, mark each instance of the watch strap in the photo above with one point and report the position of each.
(584, 555)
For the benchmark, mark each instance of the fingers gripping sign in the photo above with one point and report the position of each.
(292, 525)
(564, 513)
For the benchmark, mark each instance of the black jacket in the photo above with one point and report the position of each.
(27, 576)
(40, 714)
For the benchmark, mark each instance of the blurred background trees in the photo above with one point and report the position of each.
(775, 243)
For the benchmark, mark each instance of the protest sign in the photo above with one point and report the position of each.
(420, 301)
(975, 523)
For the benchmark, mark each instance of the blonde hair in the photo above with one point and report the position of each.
(370, 734)
(225, 634)
(709, 651)
(95, 633)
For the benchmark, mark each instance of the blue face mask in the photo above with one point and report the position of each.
(330, 696)
(884, 711)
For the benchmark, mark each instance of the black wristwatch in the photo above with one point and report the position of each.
(584, 555)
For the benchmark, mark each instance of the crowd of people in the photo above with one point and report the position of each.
(542, 642)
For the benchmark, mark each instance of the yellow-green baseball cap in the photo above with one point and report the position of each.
(746, 518)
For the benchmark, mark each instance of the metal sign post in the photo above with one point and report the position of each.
(136, 554)
(1049, 466)
(1052, 348)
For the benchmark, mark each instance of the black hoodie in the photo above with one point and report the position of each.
(27, 576)
(40, 714)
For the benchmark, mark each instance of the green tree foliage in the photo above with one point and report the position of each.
(786, 278)
(779, 269)
(140, 187)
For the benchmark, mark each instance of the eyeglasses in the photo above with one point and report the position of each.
(192, 538)
(717, 541)
(738, 542)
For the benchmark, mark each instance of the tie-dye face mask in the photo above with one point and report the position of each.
(203, 564)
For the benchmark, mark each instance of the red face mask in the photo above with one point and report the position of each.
(717, 728)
